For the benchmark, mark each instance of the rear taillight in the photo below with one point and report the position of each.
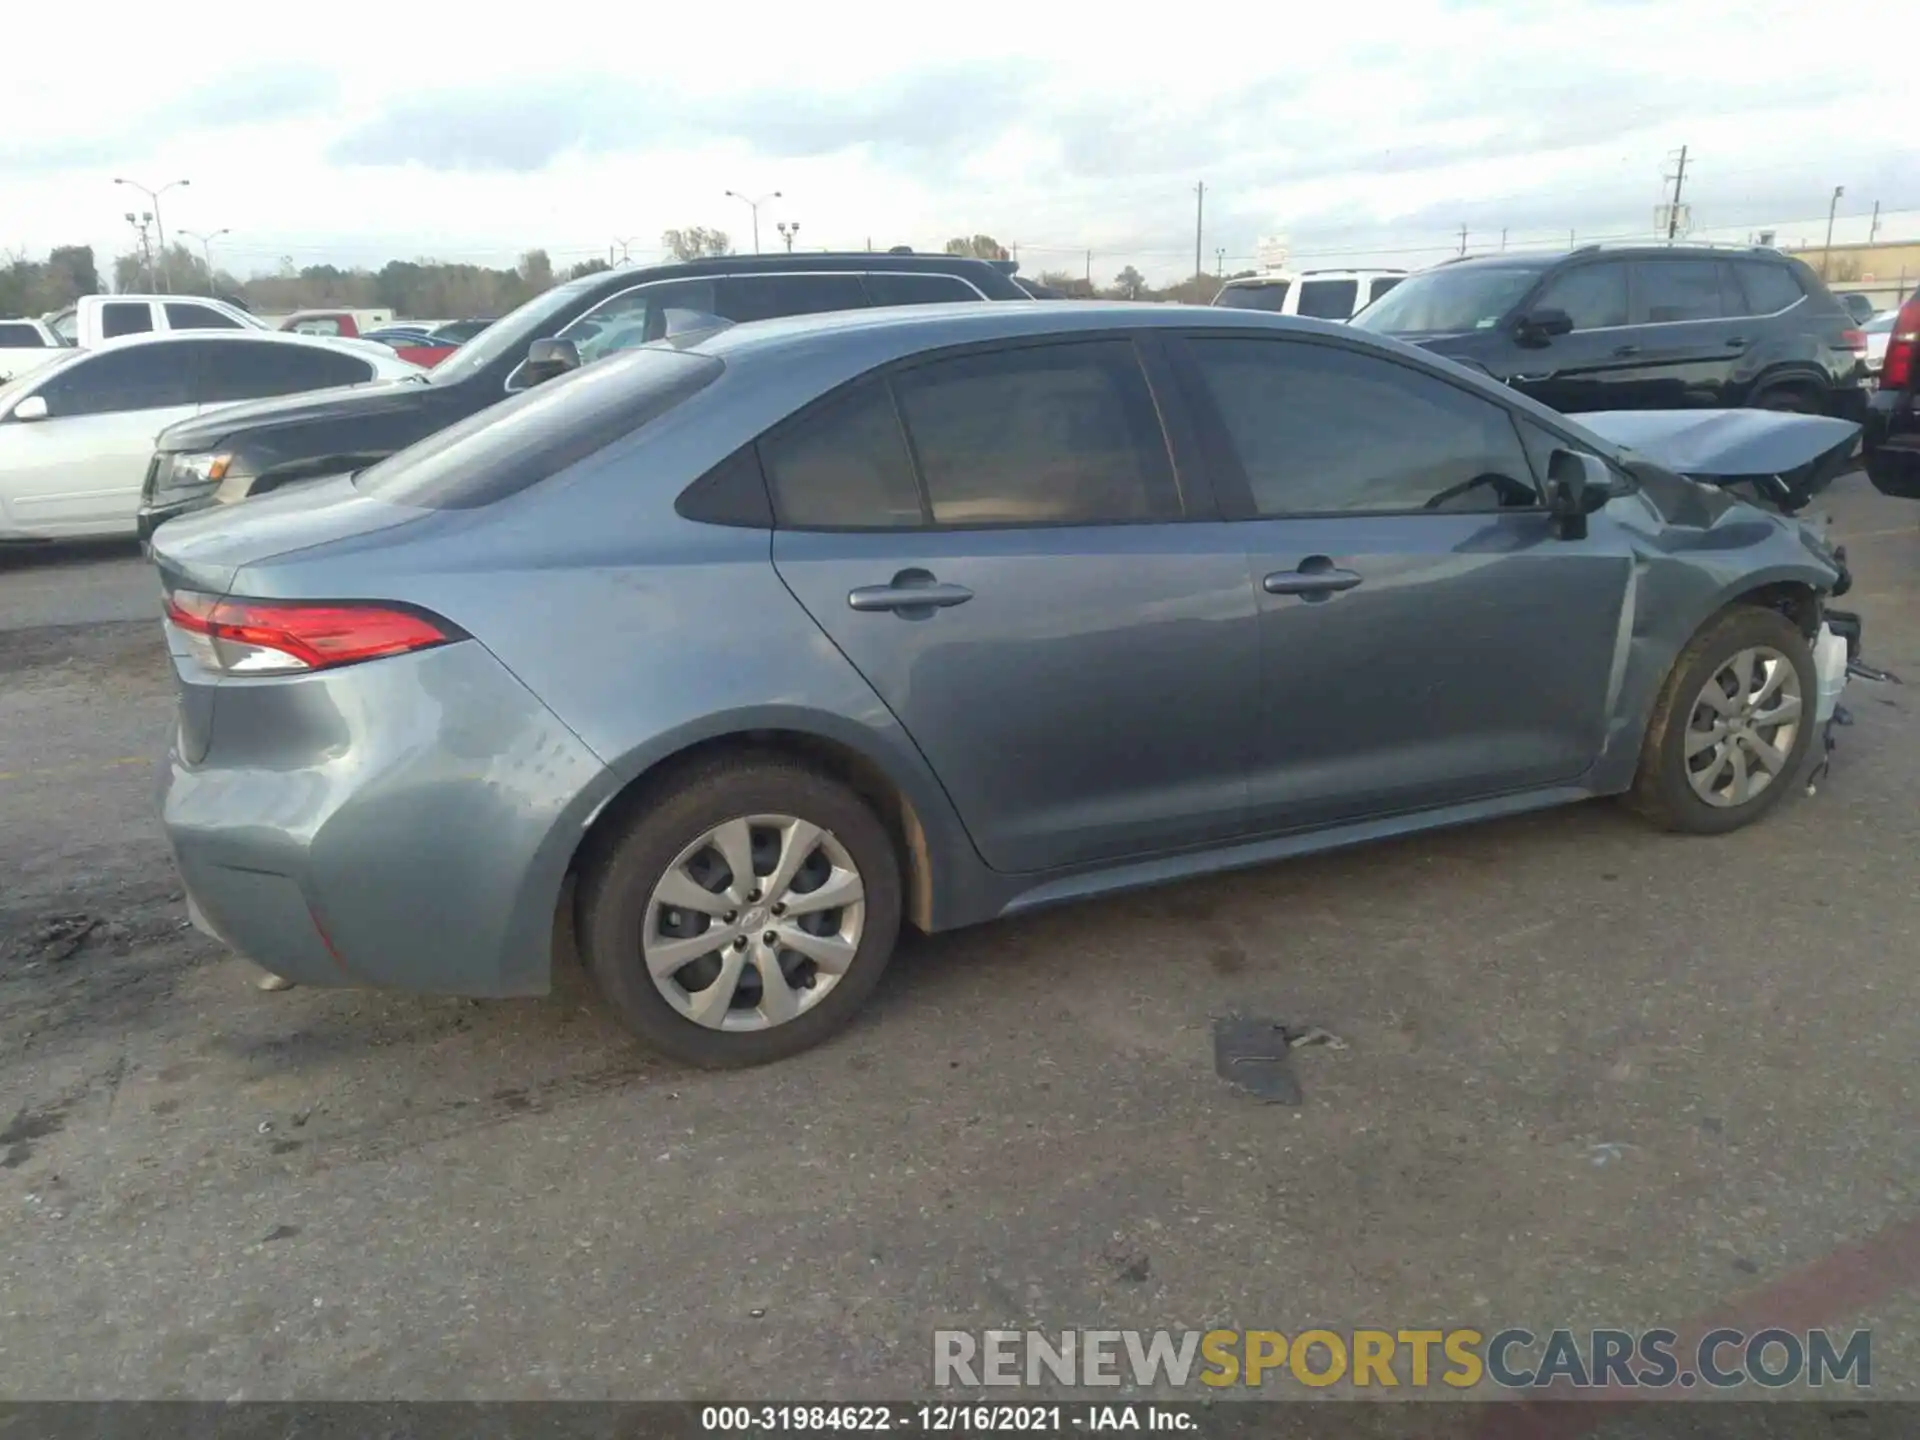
(1896, 371)
(1854, 340)
(276, 637)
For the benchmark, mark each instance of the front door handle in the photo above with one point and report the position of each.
(1316, 579)
(1626, 350)
(908, 592)
(1738, 340)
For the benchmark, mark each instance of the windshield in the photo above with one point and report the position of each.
(1447, 301)
(1262, 295)
(535, 320)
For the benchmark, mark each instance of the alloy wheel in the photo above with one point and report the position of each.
(754, 923)
(1743, 725)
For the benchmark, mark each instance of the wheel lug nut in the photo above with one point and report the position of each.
(753, 894)
(729, 917)
(741, 943)
(779, 909)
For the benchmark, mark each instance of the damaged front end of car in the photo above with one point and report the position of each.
(1696, 465)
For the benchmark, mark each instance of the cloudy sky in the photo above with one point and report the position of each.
(1364, 134)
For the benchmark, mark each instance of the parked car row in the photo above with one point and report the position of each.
(761, 640)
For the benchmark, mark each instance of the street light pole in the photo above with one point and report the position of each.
(158, 223)
(788, 233)
(1826, 254)
(754, 205)
(206, 251)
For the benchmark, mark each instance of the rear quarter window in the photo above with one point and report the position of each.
(510, 446)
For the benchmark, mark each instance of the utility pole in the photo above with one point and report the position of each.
(1199, 209)
(1826, 253)
(1463, 240)
(1503, 238)
(1089, 269)
(1679, 179)
(140, 223)
(206, 252)
(158, 223)
(624, 247)
(754, 205)
(1220, 262)
(1874, 228)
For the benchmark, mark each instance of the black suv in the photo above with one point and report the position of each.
(247, 449)
(1656, 327)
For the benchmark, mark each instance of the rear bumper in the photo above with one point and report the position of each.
(404, 824)
(1891, 442)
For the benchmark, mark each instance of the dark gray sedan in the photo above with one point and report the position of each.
(777, 636)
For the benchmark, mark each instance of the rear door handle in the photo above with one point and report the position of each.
(908, 591)
(1738, 340)
(1627, 350)
(1313, 580)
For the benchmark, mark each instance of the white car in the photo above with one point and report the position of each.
(27, 345)
(1878, 331)
(76, 435)
(1317, 294)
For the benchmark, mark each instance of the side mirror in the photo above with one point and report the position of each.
(1577, 485)
(34, 407)
(548, 360)
(1537, 327)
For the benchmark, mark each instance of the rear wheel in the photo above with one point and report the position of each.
(744, 913)
(1731, 727)
(1788, 399)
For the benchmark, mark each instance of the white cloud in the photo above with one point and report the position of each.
(1368, 135)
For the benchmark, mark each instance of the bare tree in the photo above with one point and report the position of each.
(981, 247)
(695, 242)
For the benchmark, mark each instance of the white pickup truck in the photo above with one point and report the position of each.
(27, 345)
(94, 318)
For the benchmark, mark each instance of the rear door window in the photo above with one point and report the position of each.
(843, 465)
(1594, 296)
(767, 297)
(125, 317)
(896, 288)
(1328, 299)
(233, 370)
(1382, 286)
(1669, 291)
(181, 316)
(1766, 287)
(20, 337)
(1041, 435)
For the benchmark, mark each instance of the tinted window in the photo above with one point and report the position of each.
(766, 297)
(1594, 296)
(20, 337)
(1322, 430)
(253, 369)
(1767, 287)
(129, 317)
(844, 465)
(1052, 434)
(1269, 295)
(199, 317)
(900, 289)
(144, 377)
(505, 448)
(1328, 299)
(651, 312)
(318, 325)
(1380, 287)
(1674, 290)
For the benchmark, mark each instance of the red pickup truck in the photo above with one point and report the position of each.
(429, 351)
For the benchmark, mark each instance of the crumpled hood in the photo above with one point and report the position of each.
(1786, 458)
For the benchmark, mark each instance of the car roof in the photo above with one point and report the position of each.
(339, 345)
(904, 329)
(1275, 277)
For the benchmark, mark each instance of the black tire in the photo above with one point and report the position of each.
(1661, 791)
(619, 881)
(1789, 400)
